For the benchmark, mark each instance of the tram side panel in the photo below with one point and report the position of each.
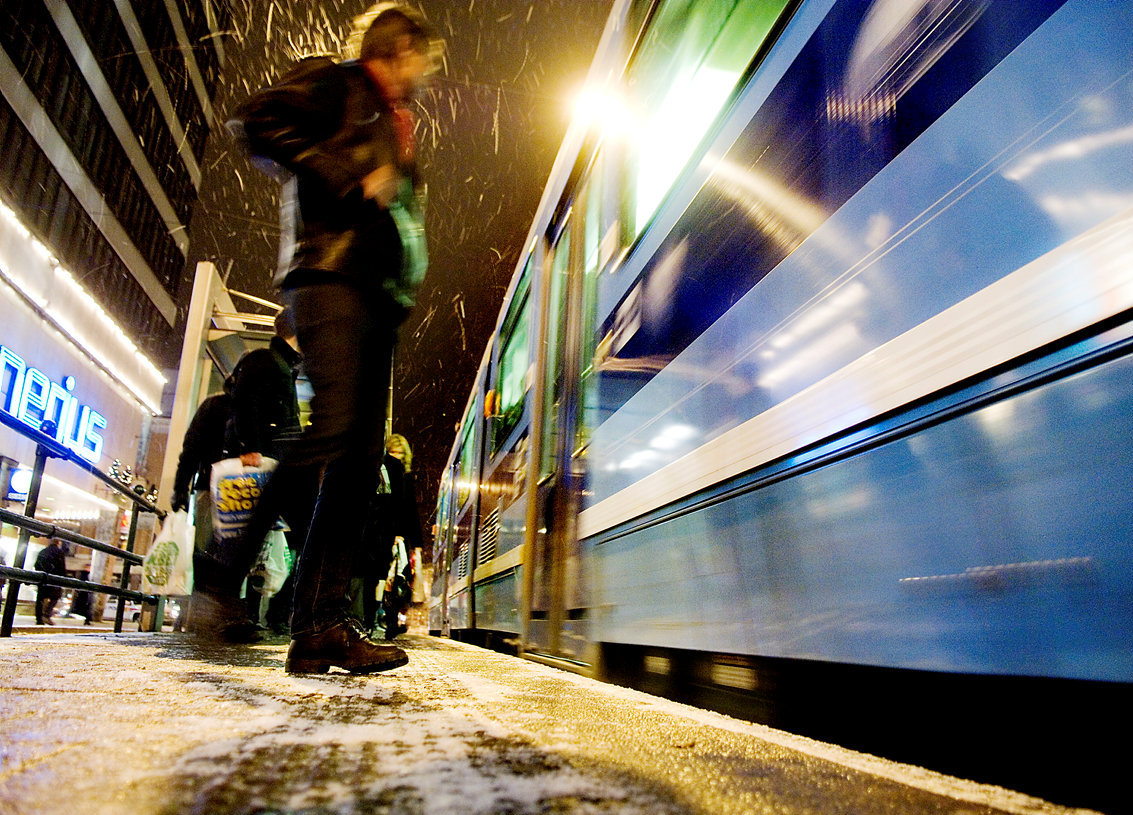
(497, 579)
(817, 238)
(451, 606)
(990, 542)
(497, 584)
(442, 555)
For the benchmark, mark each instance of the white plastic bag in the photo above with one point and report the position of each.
(168, 567)
(236, 489)
(272, 566)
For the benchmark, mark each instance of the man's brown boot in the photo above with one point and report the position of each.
(343, 646)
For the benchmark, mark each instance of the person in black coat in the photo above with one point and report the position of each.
(203, 446)
(52, 559)
(82, 602)
(265, 422)
(380, 590)
(398, 594)
(265, 408)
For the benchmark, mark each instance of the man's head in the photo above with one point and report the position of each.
(400, 46)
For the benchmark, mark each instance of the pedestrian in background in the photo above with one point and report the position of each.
(203, 446)
(342, 136)
(265, 422)
(82, 602)
(382, 587)
(398, 595)
(52, 559)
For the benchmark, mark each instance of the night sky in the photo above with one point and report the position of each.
(488, 131)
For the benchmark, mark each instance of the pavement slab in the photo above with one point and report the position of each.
(159, 724)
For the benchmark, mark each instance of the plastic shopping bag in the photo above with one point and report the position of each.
(168, 567)
(236, 489)
(272, 566)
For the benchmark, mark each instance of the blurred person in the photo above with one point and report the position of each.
(382, 587)
(204, 445)
(352, 209)
(82, 601)
(52, 559)
(265, 422)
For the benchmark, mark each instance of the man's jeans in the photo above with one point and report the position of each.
(347, 340)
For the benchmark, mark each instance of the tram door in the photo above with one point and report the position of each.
(558, 625)
(442, 555)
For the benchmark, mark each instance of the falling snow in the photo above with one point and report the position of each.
(488, 128)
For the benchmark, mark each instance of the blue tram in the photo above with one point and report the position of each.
(816, 369)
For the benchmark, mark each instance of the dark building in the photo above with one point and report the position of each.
(105, 110)
(104, 115)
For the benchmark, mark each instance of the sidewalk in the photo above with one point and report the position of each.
(26, 624)
(153, 724)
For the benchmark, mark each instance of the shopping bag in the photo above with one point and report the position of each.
(168, 566)
(236, 489)
(407, 210)
(272, 566)
(398, 592)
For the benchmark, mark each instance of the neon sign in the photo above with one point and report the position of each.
(29, 395)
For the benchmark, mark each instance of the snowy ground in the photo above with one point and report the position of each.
(155, 725)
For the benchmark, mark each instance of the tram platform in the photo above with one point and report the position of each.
(158, 724)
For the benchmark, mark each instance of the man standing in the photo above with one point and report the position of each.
(265, 422)
(202, 447)
(343, 134)
(52, 559)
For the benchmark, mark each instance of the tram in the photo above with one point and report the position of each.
(815, 376)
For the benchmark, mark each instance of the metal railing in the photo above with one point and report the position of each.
(48, 447)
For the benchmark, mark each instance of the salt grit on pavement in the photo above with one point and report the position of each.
(149, 724)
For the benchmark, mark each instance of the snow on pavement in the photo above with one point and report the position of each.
(157, 724)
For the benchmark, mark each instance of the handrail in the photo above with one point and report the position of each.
(47, 446)
(37, 578)
(45, 530)
(59, 450)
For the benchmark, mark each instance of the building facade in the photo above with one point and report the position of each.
(105, 110)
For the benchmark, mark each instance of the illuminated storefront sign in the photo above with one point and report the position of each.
(29, 395)
(18, 484)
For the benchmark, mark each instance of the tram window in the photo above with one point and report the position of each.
(465, 477)
(685, 70)
(444, 495)
(511, 372)
(592, 267)
(556, 358)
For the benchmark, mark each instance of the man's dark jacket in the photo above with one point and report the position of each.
(265, 410)
(52, 559)
(203, 446)
(327, 125)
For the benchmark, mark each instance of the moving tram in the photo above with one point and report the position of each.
(811, 398)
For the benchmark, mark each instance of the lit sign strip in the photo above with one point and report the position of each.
(95, 333)
(29, 395)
